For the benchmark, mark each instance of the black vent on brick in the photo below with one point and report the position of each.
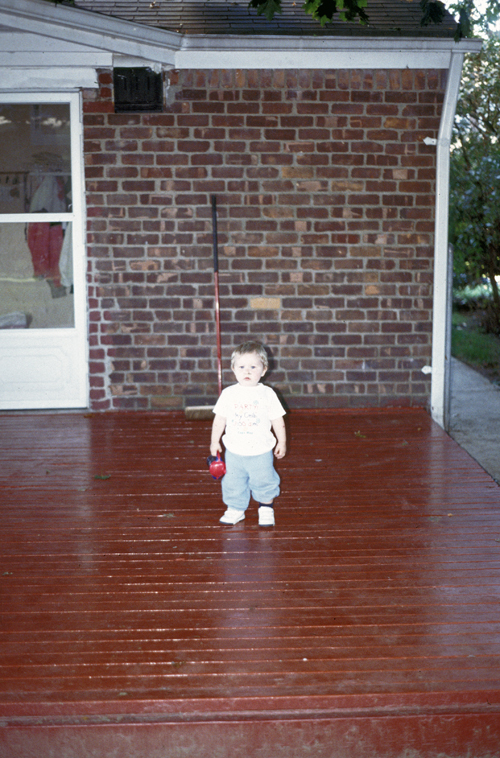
(137, 89)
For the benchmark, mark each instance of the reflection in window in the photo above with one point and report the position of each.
(34, 149)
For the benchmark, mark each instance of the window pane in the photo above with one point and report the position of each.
(35, 158)
(36, 275)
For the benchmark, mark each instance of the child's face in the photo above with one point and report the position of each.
(248, 369)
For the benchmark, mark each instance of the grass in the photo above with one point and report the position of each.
(473, 295)
(471, 345)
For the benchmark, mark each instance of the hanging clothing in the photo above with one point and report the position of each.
(49, 197)
(45, 239)
(45, 243)
(66, 258)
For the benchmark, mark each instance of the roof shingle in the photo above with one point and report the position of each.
(394, 18)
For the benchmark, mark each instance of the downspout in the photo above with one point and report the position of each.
(441, 321)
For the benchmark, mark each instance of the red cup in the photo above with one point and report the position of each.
(217, 467)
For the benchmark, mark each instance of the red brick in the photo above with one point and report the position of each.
(268, 145)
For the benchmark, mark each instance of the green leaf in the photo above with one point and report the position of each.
(267, 7)
(464, 28)
(325, 10)
(433, 12)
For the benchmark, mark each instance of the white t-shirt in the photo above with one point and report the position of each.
(248, 412)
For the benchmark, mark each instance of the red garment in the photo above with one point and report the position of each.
(45, 242)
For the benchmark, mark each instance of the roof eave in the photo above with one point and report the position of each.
(171, 49)
(319, 52)
(92, 29)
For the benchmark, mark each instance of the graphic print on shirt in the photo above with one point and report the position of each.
(246, 417)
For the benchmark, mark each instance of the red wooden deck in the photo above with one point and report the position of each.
(364, 625)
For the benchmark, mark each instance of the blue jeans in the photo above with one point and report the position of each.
(249, 475)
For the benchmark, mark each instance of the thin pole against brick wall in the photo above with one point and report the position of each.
(217, 294)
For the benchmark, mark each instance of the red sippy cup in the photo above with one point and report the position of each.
(216, 466)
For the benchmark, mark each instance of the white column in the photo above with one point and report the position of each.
(440, 321)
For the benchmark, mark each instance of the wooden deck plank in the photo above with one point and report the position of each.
(376, 596)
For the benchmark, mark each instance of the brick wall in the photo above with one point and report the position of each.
(325, 195)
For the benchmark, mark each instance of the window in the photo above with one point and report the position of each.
(36, 250)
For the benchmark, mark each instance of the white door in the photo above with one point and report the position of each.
(43, 324)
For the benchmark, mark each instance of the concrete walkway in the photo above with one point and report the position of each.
(475, 416)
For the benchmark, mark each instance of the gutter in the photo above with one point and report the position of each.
(233, 52)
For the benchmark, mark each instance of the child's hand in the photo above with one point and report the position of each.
(280, 450)
(278, 426)
(217, 431)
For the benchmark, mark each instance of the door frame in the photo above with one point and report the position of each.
(64, 348)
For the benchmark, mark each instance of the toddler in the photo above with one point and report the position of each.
(246, 413)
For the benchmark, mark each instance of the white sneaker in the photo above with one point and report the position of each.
(232, 516)
(266, 516)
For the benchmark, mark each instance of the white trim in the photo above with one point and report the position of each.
(307, 59)
(440, 343)
(20, 49)
(38, 59)
(128, 61)
(283, 43)
(319, 53)
(47, 79)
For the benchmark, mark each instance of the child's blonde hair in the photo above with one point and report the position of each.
(251, 347)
